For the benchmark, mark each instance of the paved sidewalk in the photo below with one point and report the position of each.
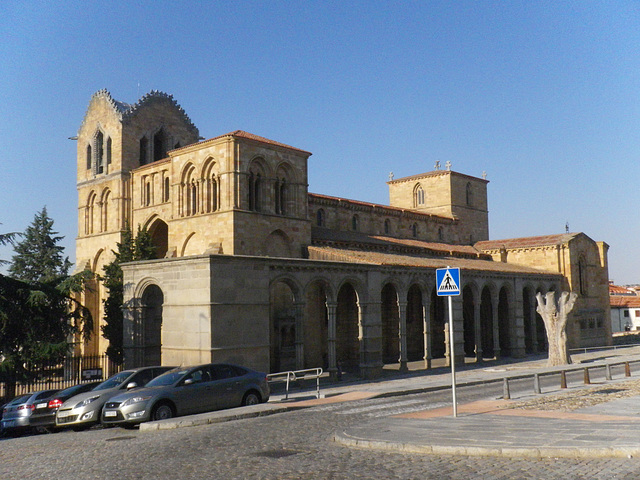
(610, 429)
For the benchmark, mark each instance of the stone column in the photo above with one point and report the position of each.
(370, 336)
(299, 308)
(331, 341)
(477, 325)
(402, 306)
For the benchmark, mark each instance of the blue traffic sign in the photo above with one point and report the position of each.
(448, 281)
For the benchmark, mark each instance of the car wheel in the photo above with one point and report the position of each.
(162, 412)
(251, 398)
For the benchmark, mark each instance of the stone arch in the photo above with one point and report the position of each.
(105, 210)
(283, 189)
(257, 177)
(159, 232)
(211, 185)
(529, 319)
(487, 310)
(506, 322)
(151, 305)
(390, 323)
(186, 246)
(348, 328)
(318, 296)
(189, 191)
(470, 312)
(416, 347)
(89, 213)
(285, 326)
(277, 244)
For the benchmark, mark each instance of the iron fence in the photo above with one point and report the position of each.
(70, 371)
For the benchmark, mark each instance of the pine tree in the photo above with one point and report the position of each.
(130, 249)
(38, 314)
(38, 256)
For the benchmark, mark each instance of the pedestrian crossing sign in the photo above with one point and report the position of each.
(448, 281)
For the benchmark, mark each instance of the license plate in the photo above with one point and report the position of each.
(41, 405)
(64, 414)
(8, 423)
(110, 414)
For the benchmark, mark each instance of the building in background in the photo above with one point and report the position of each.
(254, 269)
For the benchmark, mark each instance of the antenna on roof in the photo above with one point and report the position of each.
(566, 227)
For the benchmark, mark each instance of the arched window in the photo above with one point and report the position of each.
(354, 223)
(469, 194)
(147, 193)
(255, 187)
(144, 146)
(159, 145)
(165, 190)
(582, 275)
(281, 196)
(212, 194)
(320, 218)
(99, 153)
(192, 200)
(189, 192)
(387, 226)
(441, 234)
(88, 214)
(89, 159)
(105, 211)
(418, 196)
(414, 230)
(108, 150)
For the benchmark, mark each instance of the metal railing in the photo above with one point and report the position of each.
(605, 347)
(294, 375)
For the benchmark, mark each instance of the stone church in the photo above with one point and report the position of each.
(253, 269)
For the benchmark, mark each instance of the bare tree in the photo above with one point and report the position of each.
(555, 322)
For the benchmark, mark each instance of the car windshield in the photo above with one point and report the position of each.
(166, 379)
(114, 381)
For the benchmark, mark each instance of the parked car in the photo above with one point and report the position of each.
(44, 415)
(17, 413)
(83, 410)
(185, 391)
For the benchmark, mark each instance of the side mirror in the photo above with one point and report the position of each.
(188, 381)
(131, 385)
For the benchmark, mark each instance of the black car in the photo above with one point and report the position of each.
(44, 414)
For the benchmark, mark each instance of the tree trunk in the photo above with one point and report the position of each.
(555, 322)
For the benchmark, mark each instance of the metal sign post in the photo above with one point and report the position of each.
(448, 284)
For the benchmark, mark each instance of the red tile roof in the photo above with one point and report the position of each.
(526, 242)
(349, 238)
(247, 135)
(624, 301)
(618, 290)
(379, 258)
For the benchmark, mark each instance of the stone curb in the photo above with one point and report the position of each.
(217, 417)
(510, 452)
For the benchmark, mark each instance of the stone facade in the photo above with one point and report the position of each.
(255, 270)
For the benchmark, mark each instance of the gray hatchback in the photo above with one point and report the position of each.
(189, 390)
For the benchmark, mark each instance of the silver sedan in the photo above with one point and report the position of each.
(185, 391)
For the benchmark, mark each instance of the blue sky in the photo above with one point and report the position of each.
(543, 96)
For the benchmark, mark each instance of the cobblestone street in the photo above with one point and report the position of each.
(283, 446)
